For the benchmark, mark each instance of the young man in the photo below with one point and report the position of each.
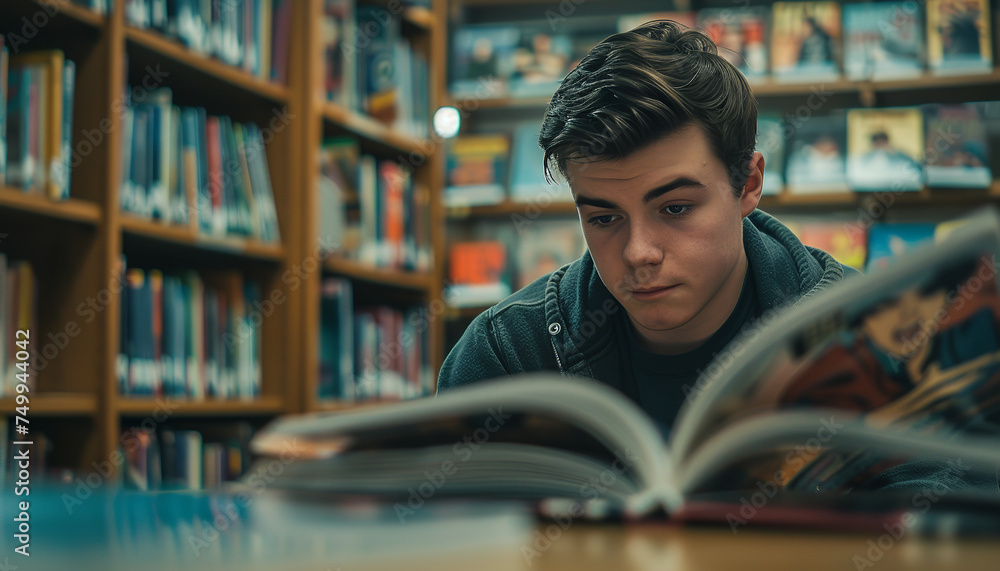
(655, 133)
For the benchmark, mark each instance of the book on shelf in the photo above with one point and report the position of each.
(771, 144)
(958, 36)
(846, 240)
(186, 168)
(248, 34)
(39, 110)
(340, 207)
(482, 60)
(882, 40)
(741, 34)
(476, 169)
(18, 312)
(527, 177)
(888, 241)
(957, 154)
(189, 335)
(524, 59)
(393, 209)
(823, 397)
(545, 246)
(806, 41)
(817, 155)
(391, 354)
(479, 273)
(336, 340)
(377, 73)
(4, 65)
(339, 63)
(885, 149)
(170, 459)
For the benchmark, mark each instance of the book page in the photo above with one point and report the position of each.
(914, 347)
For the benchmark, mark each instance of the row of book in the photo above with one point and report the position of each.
(371, 353)
(485, 270)
(372, 210)
(36, 121)
(370, 67)
(900, 149)
(253, 35)
(495, 258)
(18, 312)
(789, 41)
(170, 459)
(189, 335)
(185, 167)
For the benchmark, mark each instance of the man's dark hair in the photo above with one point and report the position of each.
(638, 86)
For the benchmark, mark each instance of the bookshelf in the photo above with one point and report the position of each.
(491, 111)
(76, 245)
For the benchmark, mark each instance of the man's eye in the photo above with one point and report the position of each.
(602, 220)
(678, 209)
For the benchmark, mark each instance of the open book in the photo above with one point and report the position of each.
(896, 365)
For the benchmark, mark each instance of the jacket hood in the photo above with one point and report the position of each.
(579, 309)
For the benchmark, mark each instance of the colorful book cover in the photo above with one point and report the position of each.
(478, 273)
(885, 149)
(741, 34)
(846, 241)
(883, 40)
(817, 155)
(546, 246)
(771, 144)
(891, 240)
(805, 41)
(958, 36)
(482, 60)
(527, 176)
(957, 154)
(476, 170)
(541, 61)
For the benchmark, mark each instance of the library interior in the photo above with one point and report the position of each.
(240, 238)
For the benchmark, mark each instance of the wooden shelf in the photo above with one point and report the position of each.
(510, 208)
(929, 80)
(135, 406)
(381, 276)
(185, 236)
(925, 196)
(53, 404)
(173, 49)
(72, 209)
(373, 130)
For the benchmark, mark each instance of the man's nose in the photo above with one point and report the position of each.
(643, 246)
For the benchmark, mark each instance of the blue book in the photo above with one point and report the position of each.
(887, 241)
(883, 40)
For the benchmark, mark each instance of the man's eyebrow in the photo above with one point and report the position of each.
(650, 196)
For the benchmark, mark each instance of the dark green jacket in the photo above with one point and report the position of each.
(563, 321)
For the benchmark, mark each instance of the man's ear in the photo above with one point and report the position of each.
(754, 185)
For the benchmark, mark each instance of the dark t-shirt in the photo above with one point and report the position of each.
(660, 383)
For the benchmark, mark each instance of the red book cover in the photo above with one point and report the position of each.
(214, 166)
(392, 179)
